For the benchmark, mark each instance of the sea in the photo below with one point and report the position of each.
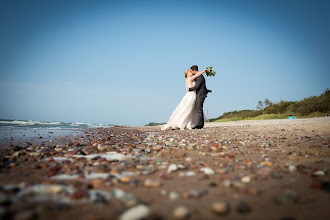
(21, 131)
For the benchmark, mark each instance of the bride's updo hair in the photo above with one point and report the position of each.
(186, 73)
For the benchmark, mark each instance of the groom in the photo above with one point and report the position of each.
(201, 93)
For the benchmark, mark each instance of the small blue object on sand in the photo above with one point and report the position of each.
(292, 117)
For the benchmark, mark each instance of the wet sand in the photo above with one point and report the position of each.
(270, 169)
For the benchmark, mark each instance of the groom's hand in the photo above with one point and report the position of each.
(207, 70)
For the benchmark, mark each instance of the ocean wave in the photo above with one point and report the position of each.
(17, 122)
(49, 124)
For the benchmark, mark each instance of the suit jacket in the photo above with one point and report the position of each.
(200, 87)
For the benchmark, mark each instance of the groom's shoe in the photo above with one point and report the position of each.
(197, 127)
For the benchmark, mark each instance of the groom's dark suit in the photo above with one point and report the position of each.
(201, 93)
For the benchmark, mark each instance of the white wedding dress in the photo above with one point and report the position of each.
(185, 114)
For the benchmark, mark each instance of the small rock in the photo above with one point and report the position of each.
(319, 173)
(152, 183)
(207, 170)
(96, 183)
(54, 189)
(292, 168)
(190, 173)
(163, 192)
(79, 193)
(221, 208)
(35, 154)
(98, 198)
(188, 159)
(136, 213)
(213, 184)
(227, 183)
(125, 179)
(174, 196)
(52, 171)
(243, 208)
(181, 213)
(172, 168)
(157, 148)
(165, 176)
(246, 179)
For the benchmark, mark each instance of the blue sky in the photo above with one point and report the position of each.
(123, 62)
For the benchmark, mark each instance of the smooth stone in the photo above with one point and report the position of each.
(174, 196)
(243, 208)
(172, 168)
(152, 183)
(246, 179)
(163, 192)
(227, 183)
(136, 213)
(319, 173)
(181, 213)
(98, 198)
(188, 159)
(157, 148)
(190, 173)
(207, 170)
(221, 208)
(54, 189)
(292, 168)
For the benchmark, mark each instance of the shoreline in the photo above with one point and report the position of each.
(252, 169)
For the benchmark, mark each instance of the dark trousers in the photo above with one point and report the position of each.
(200, 113)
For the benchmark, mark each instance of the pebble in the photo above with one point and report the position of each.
(221, 208)
(54, 189)
(207, 170)
(136, 213)
(174, 196)
(157, 148)
(227, 183)
(243, 208)
(96, 183)
(319, 173)
(292, 168)
(190, 173)
(79, 194)
(172, 168)
(246, 179)
(152, 183)
(188, 159)
(181, 213)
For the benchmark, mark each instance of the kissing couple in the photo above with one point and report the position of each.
(189, 113)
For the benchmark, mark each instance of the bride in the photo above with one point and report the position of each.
(184, 115)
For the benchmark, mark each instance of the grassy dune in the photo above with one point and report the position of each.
(270, 116)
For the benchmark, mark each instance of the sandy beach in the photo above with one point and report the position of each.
(265, 169)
